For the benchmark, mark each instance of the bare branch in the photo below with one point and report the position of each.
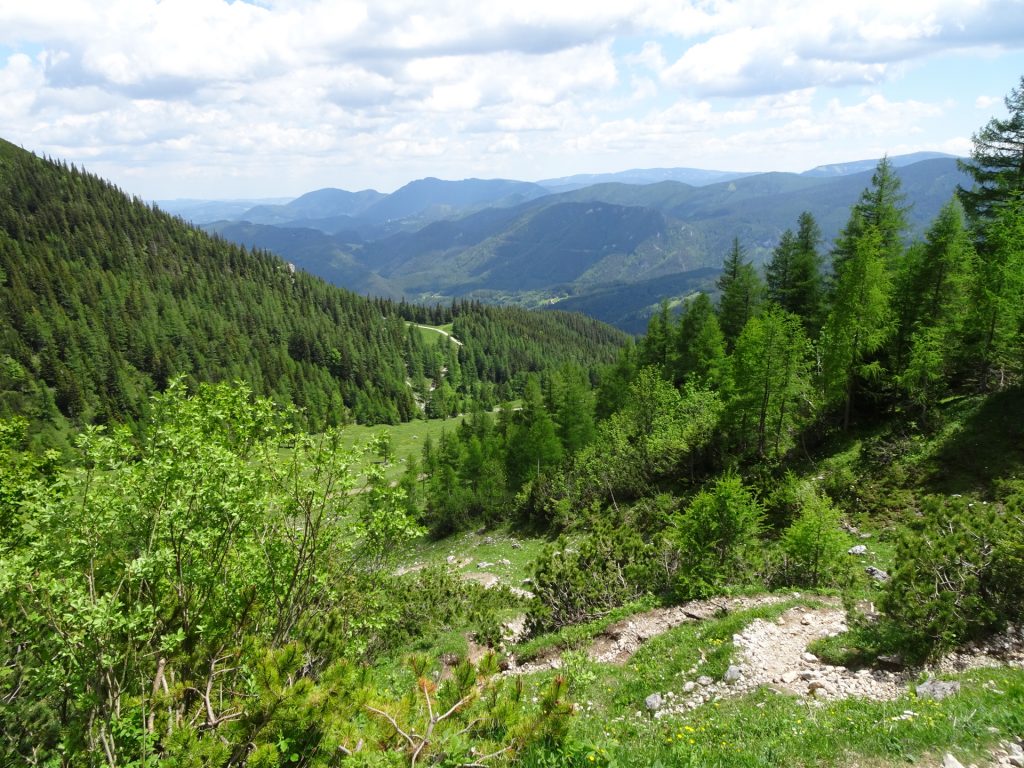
(394, 724)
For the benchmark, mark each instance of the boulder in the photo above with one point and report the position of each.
(937, 689)
(876, 573)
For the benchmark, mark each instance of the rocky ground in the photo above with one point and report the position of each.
(774, 654)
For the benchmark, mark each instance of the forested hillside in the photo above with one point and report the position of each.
(103, 300)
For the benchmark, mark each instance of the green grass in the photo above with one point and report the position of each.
(490, 546)
(406, 439)
(430, 333)
(770, 729)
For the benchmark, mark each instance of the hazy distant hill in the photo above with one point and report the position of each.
(323, 203)
(696, 177)
(432, 199)
(858, 166)
(202, 211)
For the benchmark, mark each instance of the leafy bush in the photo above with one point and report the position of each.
(959, 574)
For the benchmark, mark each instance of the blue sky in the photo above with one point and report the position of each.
(211, 99)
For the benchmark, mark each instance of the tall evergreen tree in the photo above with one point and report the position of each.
(882, 207)
(995, 339)
(778, 271)
(699, 355)
(932, 303)
(794, 273)
(741, 291)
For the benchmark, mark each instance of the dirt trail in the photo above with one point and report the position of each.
(619, 641)
(774, 654)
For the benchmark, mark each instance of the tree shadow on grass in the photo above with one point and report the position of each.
(989, 446)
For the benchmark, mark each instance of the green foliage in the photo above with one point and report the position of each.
(860, 319)
(793, 274)
(814, 546)
(699, 354)
(716, 537)
(997, 160)
(995, 321)
(660, 432)
(932, 300)
(740, 293)
(958, 574)
(470, 718)
(144, 582)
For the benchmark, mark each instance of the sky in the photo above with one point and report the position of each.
(215, 99)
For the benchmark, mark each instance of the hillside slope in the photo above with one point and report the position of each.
(104, 299)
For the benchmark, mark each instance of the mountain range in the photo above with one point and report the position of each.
(609, 245)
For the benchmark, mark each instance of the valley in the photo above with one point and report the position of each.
(612, 247)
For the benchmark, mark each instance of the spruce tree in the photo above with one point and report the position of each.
(997, 160)
(699, 354)
(741, 290)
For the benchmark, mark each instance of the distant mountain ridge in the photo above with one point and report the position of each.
(602, 248)
(696, 177)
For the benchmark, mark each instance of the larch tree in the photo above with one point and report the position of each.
(859, 322)
(771, 383)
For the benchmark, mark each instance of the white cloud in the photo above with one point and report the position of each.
(385, 88)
